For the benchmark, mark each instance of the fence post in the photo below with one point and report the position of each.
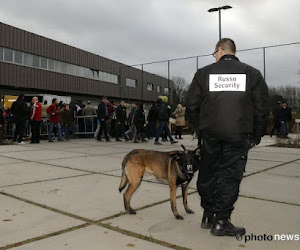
(142, 82)
(264, 56)
(169, 81)
(120, 85)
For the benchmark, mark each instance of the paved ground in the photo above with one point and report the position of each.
(65, 196)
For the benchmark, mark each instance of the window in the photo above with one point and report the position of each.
(81, 71)
(115, 79)
(58, 66)
(130, 82)
(50, 64)
(73, 69)
(64, 68)
(88, 73)
(166, 90)
(43, 63)
(8, 55)
(1, 54)
(18, 57)
(96, 74)
(158, 89)
(150, 86)
(36, 61)
(28, 60)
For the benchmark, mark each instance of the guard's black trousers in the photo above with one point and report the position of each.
(220, 174)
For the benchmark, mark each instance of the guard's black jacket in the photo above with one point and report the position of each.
(228, 114)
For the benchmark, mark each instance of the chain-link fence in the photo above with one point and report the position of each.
(279, 64)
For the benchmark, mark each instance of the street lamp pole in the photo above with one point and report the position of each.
(219, 10)
(220, 29)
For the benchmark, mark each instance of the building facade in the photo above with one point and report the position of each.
(31, 63)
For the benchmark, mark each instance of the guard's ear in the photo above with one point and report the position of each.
(197, 151)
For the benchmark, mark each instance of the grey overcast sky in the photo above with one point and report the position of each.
(138, 31)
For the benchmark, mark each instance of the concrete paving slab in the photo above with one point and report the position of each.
(37, 155)
(256, 215)
(44, 144)
(94, 163)
(295, 151)
(91, 238)
(258, 165)
(93, 197)
(21, 221)
(16, 148)
(291, 169)
(5, 160)
(272, 187)
(18, 173)
(276, 156)
(97, 150)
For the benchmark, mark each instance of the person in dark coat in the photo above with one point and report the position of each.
(66, 121)
(131, 132)
(152, 118)
(102, 113)
(275, 114)
(1, 125)
(121, 121)
(284, 117)
(163, 120)
(140, 121)
(227, 104)
(20, 111)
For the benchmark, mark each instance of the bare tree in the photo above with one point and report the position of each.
(179, 90)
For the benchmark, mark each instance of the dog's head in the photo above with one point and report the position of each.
(187, 160)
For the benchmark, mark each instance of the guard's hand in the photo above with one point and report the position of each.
(254, 141)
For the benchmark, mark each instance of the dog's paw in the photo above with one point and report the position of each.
(179, 217)
(131, 211)
(190, 211)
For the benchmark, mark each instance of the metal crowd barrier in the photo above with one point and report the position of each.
(83, 125)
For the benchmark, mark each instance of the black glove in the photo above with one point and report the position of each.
(254, 141)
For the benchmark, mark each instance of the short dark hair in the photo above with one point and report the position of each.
(45, 101)
(104, 97)
(226, 44)
(54, 100)
(21, 96)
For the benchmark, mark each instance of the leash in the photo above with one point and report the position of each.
(192, 142)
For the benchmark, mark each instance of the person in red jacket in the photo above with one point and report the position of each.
(53, 112)
(35, 118)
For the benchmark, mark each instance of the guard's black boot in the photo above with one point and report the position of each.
(224, 227)
(207, 220)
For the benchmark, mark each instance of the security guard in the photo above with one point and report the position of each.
(227, 103)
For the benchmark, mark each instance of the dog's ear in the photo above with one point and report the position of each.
(197, 152)
(176, 154)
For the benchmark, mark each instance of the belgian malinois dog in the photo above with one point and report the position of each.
(175, 167)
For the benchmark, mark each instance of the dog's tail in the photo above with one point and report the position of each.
(123, 182)
(124, 179)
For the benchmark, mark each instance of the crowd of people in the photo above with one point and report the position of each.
(105, 121)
